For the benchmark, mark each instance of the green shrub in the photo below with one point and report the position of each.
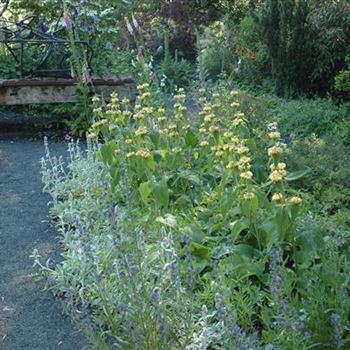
(8, 66)
(285, 31)
(304, 117)
(252, 51)
(330, 22)
(216, 55)
(329, 179)
(342, 82)
(172, 71)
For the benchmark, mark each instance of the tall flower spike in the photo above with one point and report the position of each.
(135, 23)
(87, 75)
(129, 26)
(43, 27)
(67, 20)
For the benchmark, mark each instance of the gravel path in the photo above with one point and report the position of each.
(30, 319)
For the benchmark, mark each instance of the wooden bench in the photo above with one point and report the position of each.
(61, 90)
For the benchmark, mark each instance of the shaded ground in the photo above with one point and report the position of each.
(30, 319)
(24, 117)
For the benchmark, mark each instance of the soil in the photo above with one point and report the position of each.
(30, 318)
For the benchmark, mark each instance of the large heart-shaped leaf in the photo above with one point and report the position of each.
(161, 193)
(145, 190)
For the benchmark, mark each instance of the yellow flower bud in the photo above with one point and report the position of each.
(278, 197)
(275, 135)
(276, 176)
(242, 149)
(99, 123)
(247, 175)
(249, 195)
(296, 200)
(275, 151)
(208, 118)
(141, 131)
(177, 149)
(92, 136)
(237, 122)
(130, 154)
(97, 110)
(231, 165)
(143, 153)
(281, 166)
(213, 129)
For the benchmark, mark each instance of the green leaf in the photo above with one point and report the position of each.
(283, 221)
(151, 163)
(237, 227)
(194, 179)
(250, 206)
(243, 267)
(145, 190)
(331, 278)
(167, 220)
(107, 152)
(245, 250)
(250, 268)
(251, 143)
(200, 251)
(161, 193)
(296, 175)
(270, 235)
(201, 265)
(183, 201)
(115, 175)
(227, 202)
(191, 139)
(197, 233)
(154, 138)
(163, 153)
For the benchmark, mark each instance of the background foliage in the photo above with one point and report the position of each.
(291, 47)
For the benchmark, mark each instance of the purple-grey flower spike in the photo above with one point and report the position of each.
(67, 20)
(43, 27)
(155, 296)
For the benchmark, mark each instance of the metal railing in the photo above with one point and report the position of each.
(49, 52)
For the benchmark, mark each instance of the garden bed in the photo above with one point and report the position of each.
(187, 232)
